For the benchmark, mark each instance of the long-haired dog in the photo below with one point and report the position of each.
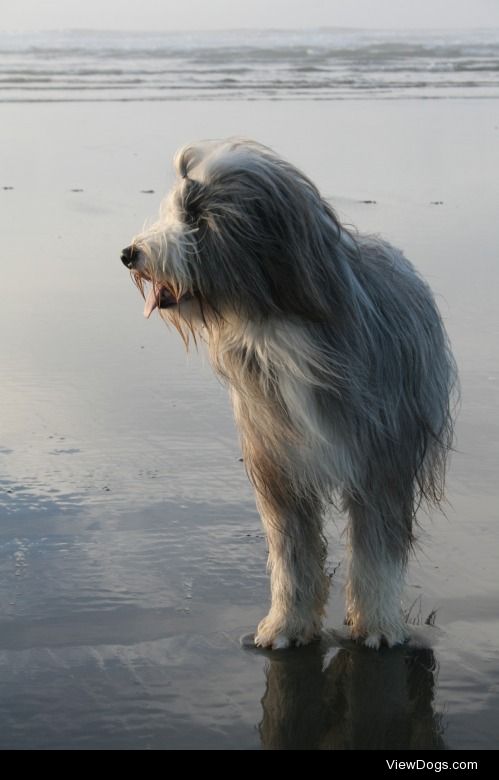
(338, 366)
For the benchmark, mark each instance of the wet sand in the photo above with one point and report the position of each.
(131, 554)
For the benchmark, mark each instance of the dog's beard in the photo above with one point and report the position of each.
(161, 297)
(181, 308)
(158, 295)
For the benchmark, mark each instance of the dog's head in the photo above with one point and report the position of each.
(241, 233)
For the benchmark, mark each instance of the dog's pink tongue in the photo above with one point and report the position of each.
(151, 301)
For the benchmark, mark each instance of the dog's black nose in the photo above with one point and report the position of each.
(129, 256)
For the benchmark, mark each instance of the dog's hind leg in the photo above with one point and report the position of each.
(297, 554)
(380, 540)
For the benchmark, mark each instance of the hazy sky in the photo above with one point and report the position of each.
(219, 14)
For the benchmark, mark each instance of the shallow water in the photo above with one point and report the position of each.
(131, 554)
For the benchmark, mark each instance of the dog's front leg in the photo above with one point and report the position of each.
(297, 554)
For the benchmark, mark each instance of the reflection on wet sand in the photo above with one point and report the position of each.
(350, 699)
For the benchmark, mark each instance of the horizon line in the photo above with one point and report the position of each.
(313, 28)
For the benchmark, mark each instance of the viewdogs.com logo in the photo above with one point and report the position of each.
(436, 766)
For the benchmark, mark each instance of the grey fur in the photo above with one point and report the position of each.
(339, 369)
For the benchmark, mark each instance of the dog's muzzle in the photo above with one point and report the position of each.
(130, 256)
(160, 296)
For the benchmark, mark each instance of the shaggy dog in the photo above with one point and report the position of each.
(338, 366)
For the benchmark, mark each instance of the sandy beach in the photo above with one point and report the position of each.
(131, 554)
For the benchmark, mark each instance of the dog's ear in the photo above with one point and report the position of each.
(183, 161)
(191, 200)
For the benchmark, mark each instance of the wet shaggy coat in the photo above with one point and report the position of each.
(339, 369)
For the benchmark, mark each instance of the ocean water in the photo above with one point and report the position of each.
(273, 65)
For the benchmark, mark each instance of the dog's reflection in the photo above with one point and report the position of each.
(355, 699)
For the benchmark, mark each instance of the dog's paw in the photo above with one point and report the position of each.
(278, 642)
(390, 636)
(281, 634)
(270, 635)
(373, 641)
